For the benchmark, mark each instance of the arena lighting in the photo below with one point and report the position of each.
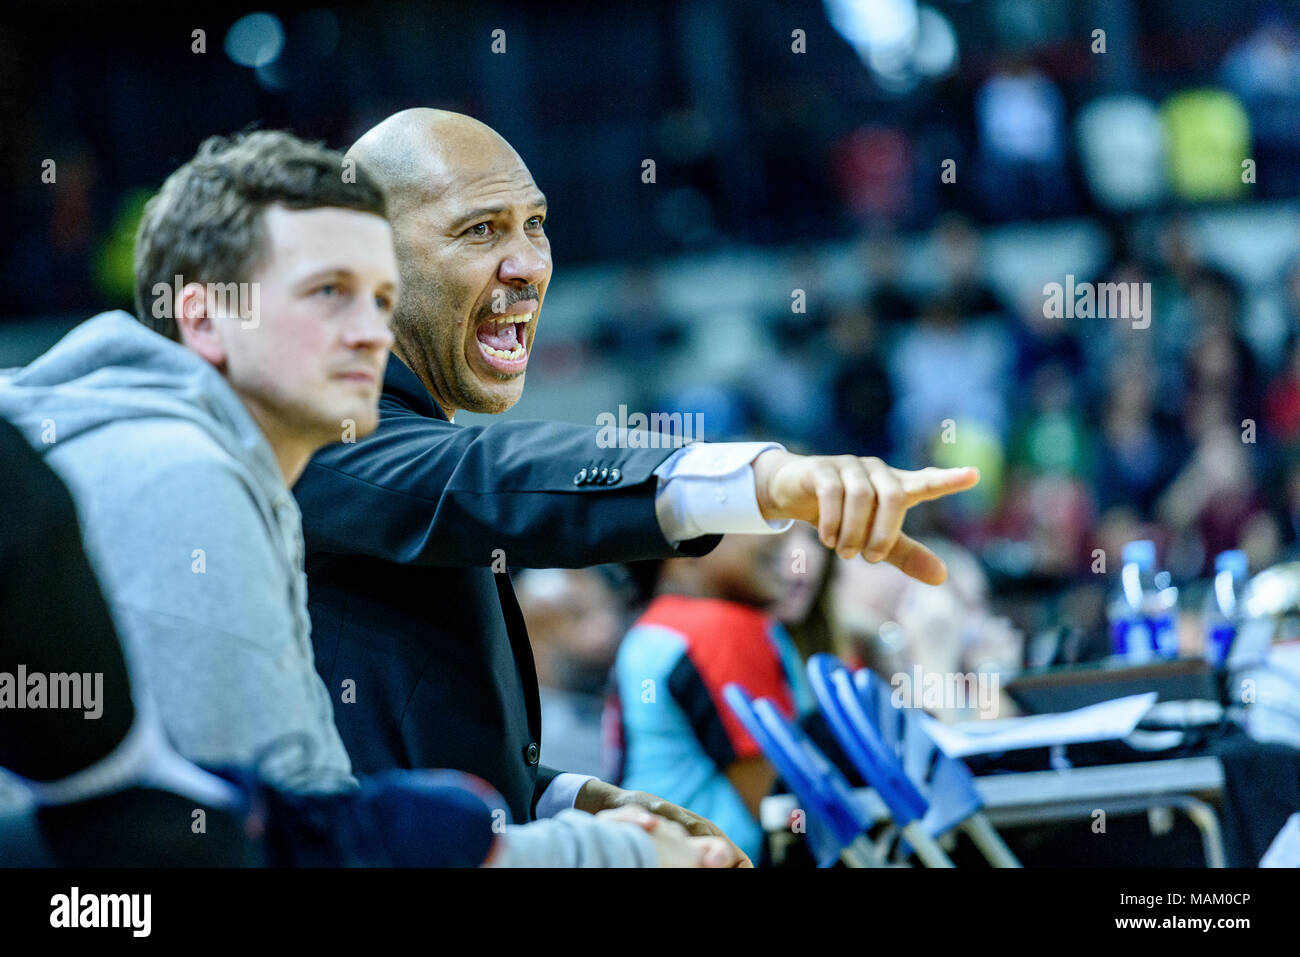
(936, 44)
(883, 32)
(274, 77)
(310, 39)
(255, 40)
(898, 41)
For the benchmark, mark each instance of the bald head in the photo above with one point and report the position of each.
(473, 255)
(418, 153)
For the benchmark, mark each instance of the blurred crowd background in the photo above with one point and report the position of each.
(842, 243)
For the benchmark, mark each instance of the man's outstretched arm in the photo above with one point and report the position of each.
(421, 491)
(545, 494)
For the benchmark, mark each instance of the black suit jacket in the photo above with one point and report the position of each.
(403, 530)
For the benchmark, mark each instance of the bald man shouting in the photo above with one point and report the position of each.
(409, 532)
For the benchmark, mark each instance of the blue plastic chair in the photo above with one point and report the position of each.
(874, 759)
(956, 801)
(915, 778)
(837, 821)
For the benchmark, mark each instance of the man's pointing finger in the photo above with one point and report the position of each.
(927, 484)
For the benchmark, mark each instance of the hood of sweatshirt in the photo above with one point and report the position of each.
(111, 369)
(103, 406)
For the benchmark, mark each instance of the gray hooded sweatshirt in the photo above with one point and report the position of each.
(198, 546)
(196, 540)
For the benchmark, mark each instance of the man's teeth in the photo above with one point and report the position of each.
(516, 353)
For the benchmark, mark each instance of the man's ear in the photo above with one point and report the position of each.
(198, 330)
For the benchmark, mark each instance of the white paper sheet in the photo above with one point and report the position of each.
(1106, 721)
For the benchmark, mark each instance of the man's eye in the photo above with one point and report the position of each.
(479, 229)
(330, 289)
(384, 302)
(535, 222)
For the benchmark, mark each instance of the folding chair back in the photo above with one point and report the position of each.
(947, 783)
(858, 736)
(836, 819)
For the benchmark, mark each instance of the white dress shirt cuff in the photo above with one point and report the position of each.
(561, 793)
(707, 488)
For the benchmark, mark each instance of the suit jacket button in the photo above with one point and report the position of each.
(580, 477)
(532, 752)
(591, 475)
(604, 475)
(614, 476)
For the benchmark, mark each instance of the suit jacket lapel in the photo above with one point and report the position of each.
(404, 386)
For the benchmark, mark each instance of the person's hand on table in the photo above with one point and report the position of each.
(674, 847)
(597, 796)
(857, 504)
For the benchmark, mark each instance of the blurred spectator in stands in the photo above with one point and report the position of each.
(790, 124)
(1051, 435)
(1220, 362)
(721, 410)
(1045, 339)
(1177, 314)
(1046, 503)
(53, 269)
(888, 299)
(575, 619)
(1290, 510)
(1177, 256)
(1121, 150)
(1282, 402)
(865, 605)
(949, 628)
(1139, 449)
(1159, 343)
(873, 168)
(1207, 134)
(707, 626)
(959, 259)
(634, 329)
(791, 393)
(1214, 297)
(1020, 115)
(1176, 264)
(1052, 513)
(977, 443)
(1261, 538)
(805, 607)
(924, 375)
(1215, 494)
(1263, 70)
(860, 391)
(1290, 292)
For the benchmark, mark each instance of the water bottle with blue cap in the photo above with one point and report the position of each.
(1220, 618)
(1144, 612)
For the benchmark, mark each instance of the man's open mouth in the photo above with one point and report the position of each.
(501, 340)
